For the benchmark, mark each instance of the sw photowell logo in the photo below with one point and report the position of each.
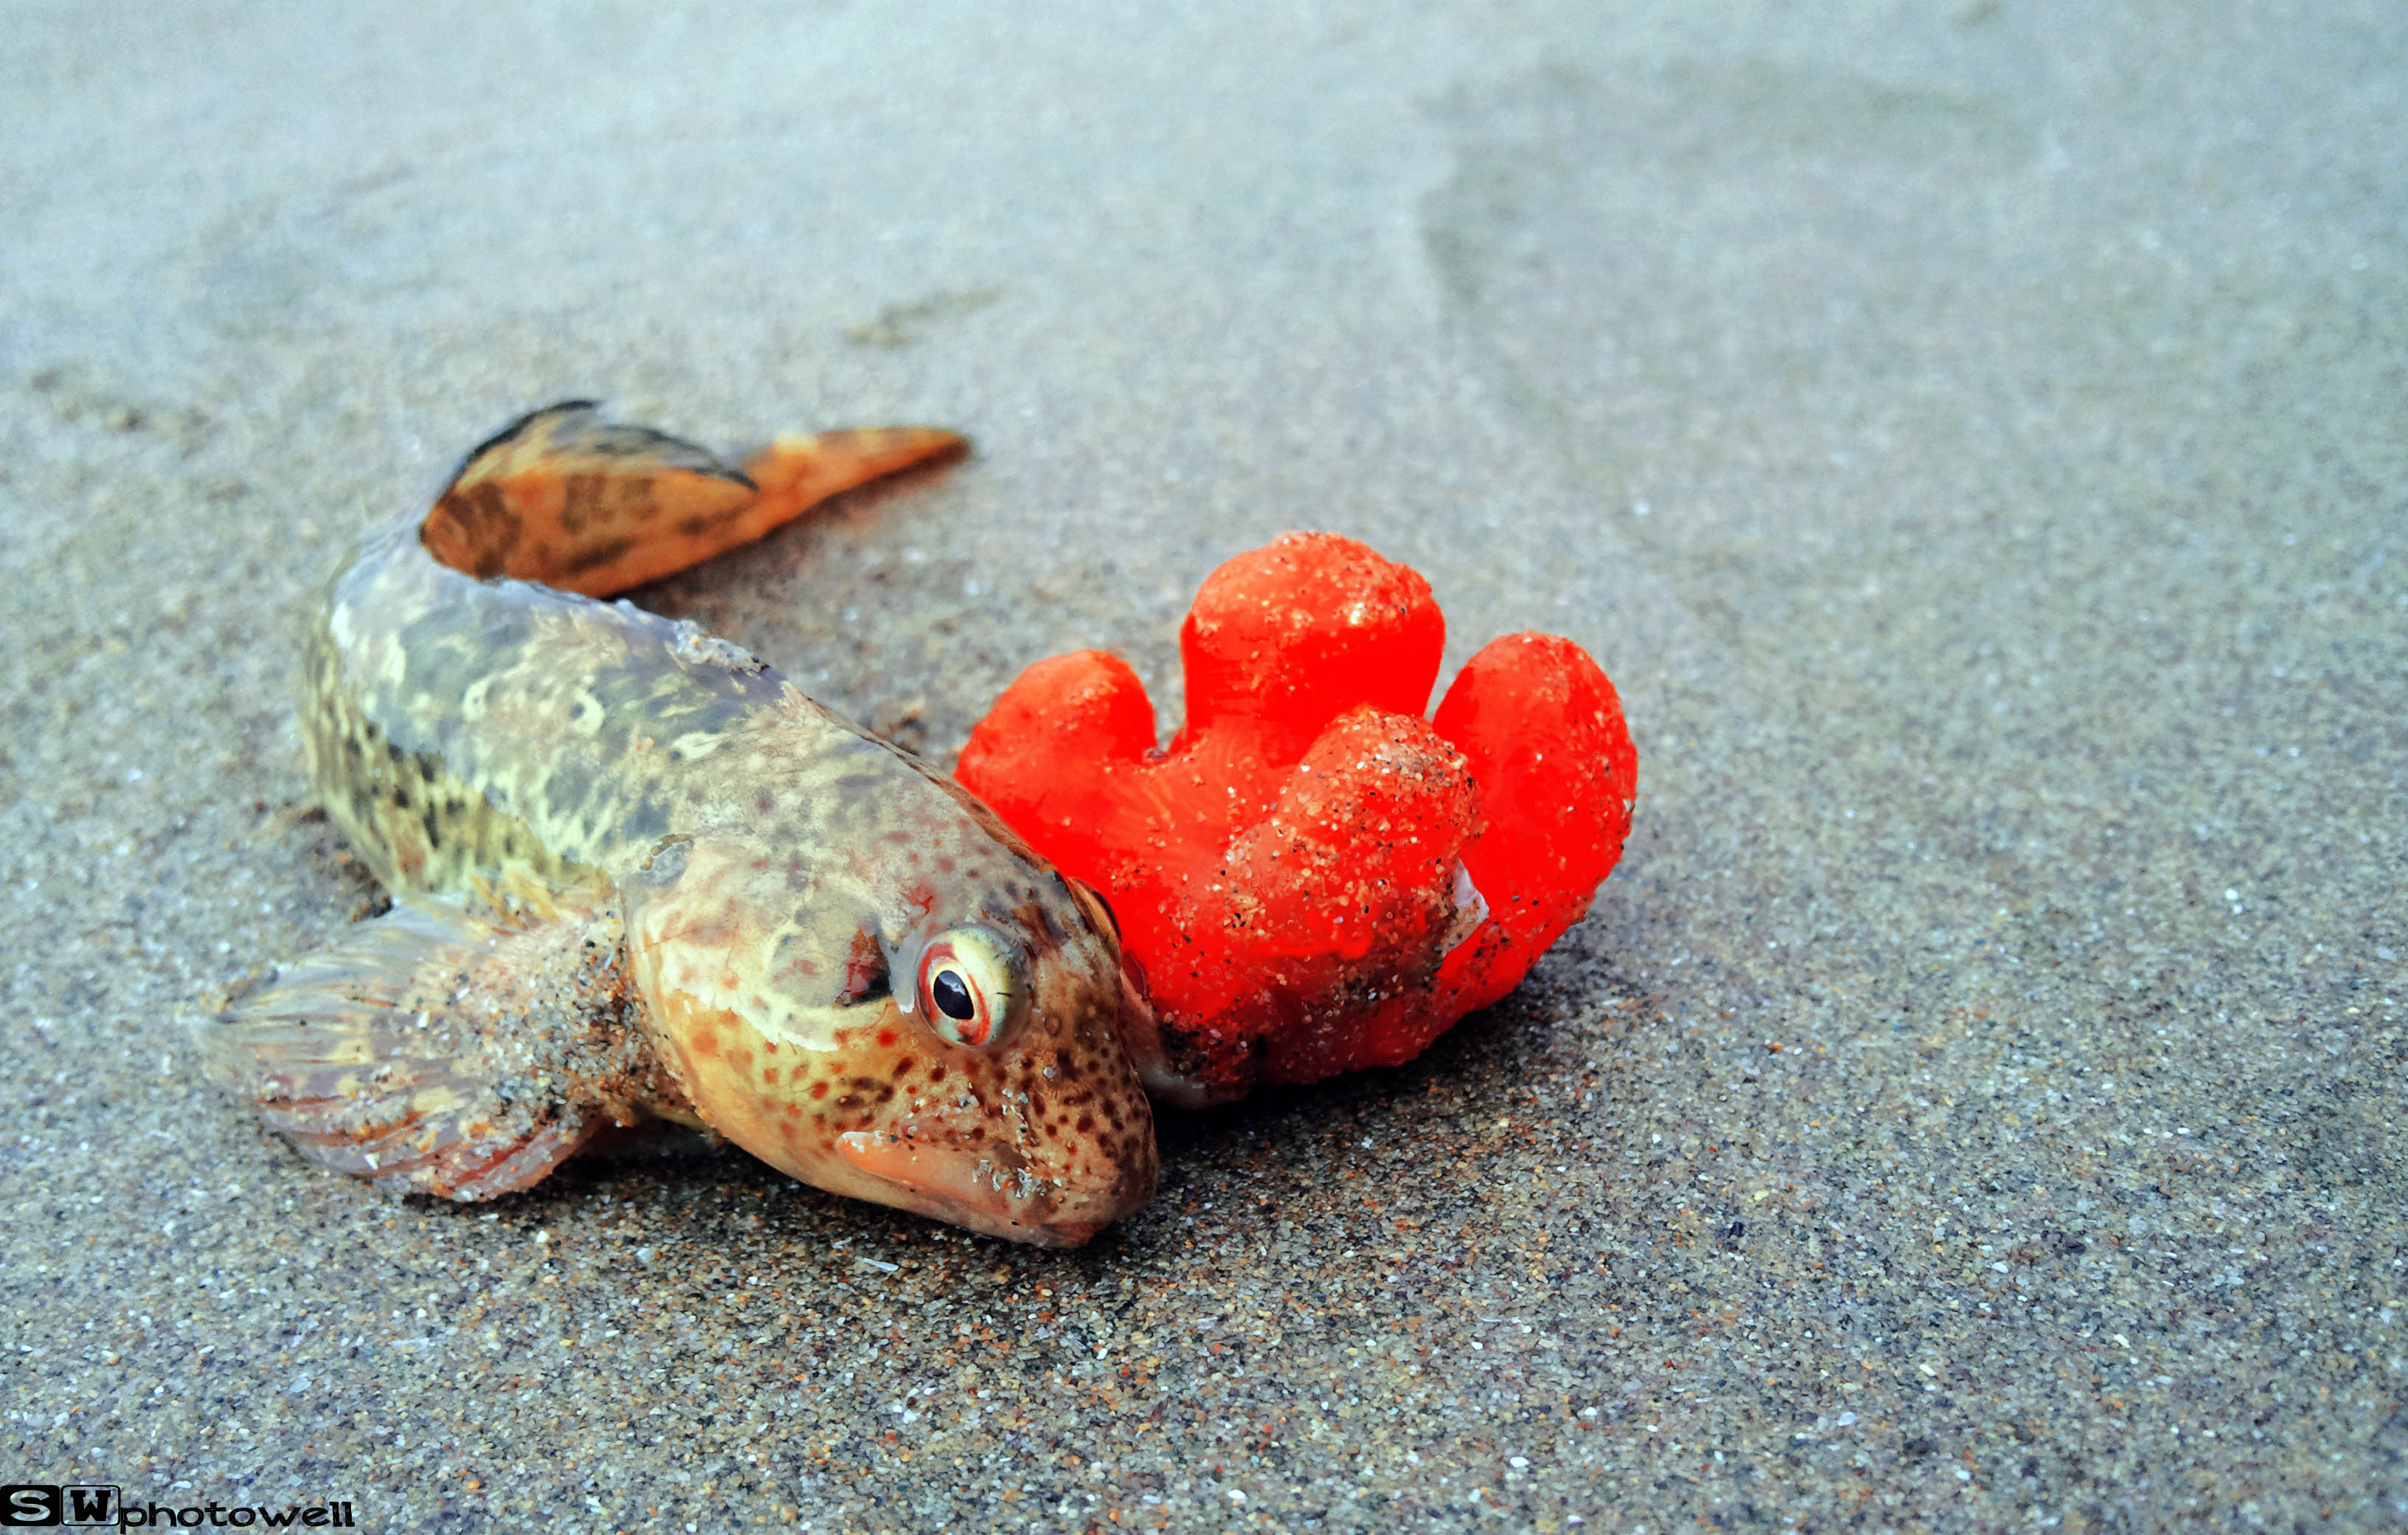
(35, 1505)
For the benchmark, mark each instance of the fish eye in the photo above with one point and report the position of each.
(970, 985)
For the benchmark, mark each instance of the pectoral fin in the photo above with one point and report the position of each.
(447, 1047)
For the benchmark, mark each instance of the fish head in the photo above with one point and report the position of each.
(941, 1033)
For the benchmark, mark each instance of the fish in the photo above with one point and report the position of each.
(636, 874)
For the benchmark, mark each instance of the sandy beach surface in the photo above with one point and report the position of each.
(1975, 436)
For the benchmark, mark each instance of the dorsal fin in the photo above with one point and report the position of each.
(564, 497)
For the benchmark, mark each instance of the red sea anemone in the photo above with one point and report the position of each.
(1314, 877)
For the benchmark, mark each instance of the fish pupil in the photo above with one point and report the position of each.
(952, 996)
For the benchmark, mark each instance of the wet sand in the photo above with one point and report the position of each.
(1974, 444)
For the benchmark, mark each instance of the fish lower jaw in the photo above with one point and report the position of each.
(980, 1194)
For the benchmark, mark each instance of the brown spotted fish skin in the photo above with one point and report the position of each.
(770, 874)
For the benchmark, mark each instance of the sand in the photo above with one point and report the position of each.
(1972, 438)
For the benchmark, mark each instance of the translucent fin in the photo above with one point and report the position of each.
(448, 1047)
(574, 501)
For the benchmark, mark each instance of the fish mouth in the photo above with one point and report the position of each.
(982, 1194)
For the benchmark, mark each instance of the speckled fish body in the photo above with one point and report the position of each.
(722, 904)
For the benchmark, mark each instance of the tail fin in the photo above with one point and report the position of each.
(568, 499)
(440, 1050)
(797, 472)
